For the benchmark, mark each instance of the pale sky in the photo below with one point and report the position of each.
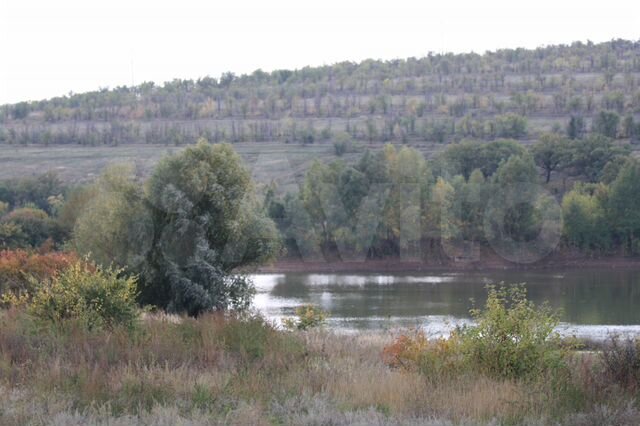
(51, 47)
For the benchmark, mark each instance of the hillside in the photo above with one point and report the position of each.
(440, 98)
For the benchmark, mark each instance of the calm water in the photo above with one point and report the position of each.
(594, 302)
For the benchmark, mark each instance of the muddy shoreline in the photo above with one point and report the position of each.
(487, 264)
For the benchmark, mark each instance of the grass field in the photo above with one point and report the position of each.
(78, 164)
(268, 161)
(209, 371)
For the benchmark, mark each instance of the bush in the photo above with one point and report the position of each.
(20, 268)
(96, 297)
(35, 190)
(510, 126)
(415, 351)
(32, 227)
(11, 236)
(342, 143)
(513, 337)
(252, 338)
(621, 362)
(308, 316)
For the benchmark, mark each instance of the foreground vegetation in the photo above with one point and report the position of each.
(239, 370)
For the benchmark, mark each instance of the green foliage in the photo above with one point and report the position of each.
(440, 210)
(11, 236)
(630, 128)
(468, 206)
(510, 126)
(76, 201)
(297, 228)
(606, 123)
(437, 98)
(624, 204)
(612, 169)
(465, 157)
(576, 127)
(28, 227)
(515, 214)
(307, 316)
(343, 143)
(253, 338)
(357, 210)
(89, 294)
(484, 193)
(26, 207)
(550, 153)
(585, 221)
(194, 222)
(517, 169)
(512, 336)
(32, 190)
(114, 225)
(590, 156)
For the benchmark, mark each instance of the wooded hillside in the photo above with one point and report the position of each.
(511, 93)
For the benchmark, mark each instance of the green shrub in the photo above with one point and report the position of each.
(513, 337)
(28, 227)
(248, 337)
(253, 338)
(307, 316)
(342, 143)
(94, 296)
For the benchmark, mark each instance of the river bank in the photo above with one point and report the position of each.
(487, 262)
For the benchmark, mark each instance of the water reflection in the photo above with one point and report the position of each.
(592, 301)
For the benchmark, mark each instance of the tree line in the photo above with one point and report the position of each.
(394, 203)
(199, 219)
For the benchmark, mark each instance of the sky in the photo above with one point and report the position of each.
(49, 48)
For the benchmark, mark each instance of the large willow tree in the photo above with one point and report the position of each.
(186, 231)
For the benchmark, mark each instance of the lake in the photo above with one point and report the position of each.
(594, 302)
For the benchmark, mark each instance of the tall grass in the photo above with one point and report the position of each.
(226, 370)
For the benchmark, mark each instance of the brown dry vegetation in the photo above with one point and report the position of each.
(214, 370)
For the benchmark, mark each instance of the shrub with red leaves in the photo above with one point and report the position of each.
(19, 267)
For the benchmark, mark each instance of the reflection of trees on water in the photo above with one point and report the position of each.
(585, 297)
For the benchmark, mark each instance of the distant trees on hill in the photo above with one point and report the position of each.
(511, 93)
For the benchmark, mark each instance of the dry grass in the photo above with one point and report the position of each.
(218, 370)
(80, 164)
